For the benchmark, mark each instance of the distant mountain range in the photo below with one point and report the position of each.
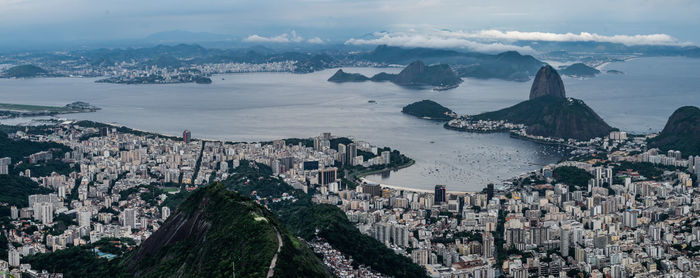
(509, 65)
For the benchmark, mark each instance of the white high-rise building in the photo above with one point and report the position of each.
(13, 257)
(14, 212)
(165, 212)
(62, 191)
(386, 157)
(564, 245)
(130, 218)
(46, 213)
(4, 165)
(84, 216)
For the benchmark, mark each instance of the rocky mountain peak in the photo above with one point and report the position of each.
(547, 83)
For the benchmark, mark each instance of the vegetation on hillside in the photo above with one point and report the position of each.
(681, 133)
(81, 261)
(575, 178)
(303, 218)
(23, 71)
(19, 149)
(224, 231)
(579, 70)
(15, 190)
(428, 109)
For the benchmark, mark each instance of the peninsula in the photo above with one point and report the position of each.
(548, 113)
(8, 110)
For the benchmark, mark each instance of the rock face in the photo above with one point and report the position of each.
(213, 230)
(681, 133)
(549, 113)
(547, 83)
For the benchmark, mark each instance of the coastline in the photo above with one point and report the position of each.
(401, 188)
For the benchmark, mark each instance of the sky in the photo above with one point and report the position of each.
(486, 24)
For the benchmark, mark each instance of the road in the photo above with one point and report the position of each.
(271, 271)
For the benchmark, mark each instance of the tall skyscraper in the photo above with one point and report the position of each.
(327, 175)
(46, 213)
(186, 136)
(4, 165)
(13, 257)
(564, 245)
(350, 153)
(489, 191)
(440, 194)
(386, 157)
(488, 245)
(130, 218)
(14, 212)
(317, 143)
(84, 217)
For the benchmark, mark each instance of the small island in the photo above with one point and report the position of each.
(614, 72)
(8, 111)
(416, 75)
(340, 76)
(579, 70)
(428, 109)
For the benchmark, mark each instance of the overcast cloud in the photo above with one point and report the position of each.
(323, 21)
(497, 41)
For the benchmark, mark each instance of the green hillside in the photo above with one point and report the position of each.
(681, 133)
(303, 218)
(14, 190)
(23, 71)
(216, 231)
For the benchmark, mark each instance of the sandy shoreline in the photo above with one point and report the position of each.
(394, 187)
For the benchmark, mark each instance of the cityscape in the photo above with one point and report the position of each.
(418, 139)
(604, 212)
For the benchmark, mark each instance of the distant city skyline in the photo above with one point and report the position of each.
(430, 22)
